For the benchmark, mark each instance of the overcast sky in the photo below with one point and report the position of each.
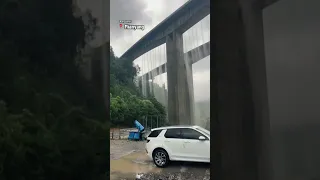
(150, 13)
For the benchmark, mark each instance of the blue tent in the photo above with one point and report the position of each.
(136, 135)
(138, 126)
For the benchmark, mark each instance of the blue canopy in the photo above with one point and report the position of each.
(138, 126)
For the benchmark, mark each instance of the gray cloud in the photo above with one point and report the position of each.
(127, 10)
(115, 11)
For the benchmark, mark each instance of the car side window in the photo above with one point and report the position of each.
(173, 133)
(187, 133)
(155, 133)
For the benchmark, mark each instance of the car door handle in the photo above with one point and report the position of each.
(186, 142)
(166, 141)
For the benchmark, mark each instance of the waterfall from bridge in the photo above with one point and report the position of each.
(196, 36)
(156, 82)
(152, 78)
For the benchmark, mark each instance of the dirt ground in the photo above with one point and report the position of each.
(119, 148)
(128, 161)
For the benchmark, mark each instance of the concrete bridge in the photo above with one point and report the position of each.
(169, 32)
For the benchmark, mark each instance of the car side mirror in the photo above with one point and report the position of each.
(202, 138)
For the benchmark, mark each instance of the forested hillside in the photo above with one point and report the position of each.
(127, 103)
(202, 113)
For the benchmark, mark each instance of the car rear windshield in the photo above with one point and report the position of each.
(154, 133)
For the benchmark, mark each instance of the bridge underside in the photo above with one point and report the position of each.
(179, 78)
(179, 74)
(191, 57)
(180, 21)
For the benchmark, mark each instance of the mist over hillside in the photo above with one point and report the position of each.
(202, 107)
(202, 113)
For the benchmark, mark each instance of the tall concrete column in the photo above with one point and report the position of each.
(180, 88)
(189, 76)
(149, 85)
(140, 84)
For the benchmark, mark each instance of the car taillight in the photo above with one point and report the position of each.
(148, 140)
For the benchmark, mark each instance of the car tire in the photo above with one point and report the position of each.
(160, 158)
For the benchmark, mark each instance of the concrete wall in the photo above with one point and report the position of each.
(292, 44)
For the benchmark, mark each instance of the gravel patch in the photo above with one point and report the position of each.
(174, 176)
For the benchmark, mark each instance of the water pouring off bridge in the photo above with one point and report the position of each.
(174, 63)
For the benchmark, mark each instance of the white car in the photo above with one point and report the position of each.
(178, 143)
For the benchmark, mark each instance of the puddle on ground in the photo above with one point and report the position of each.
(131, 165)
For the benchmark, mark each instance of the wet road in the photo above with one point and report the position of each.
(131, 165)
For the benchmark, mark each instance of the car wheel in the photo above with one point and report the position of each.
(160, 158)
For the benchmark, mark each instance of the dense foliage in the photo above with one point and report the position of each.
(52, 124)
(127, 104)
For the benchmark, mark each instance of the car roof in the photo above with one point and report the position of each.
(174, 127)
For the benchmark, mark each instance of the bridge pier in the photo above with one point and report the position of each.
(140, 84)
(149, 85)
(180, 85)
(144, 81)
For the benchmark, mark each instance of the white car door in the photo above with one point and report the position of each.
(193, 148)
(173, 143)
